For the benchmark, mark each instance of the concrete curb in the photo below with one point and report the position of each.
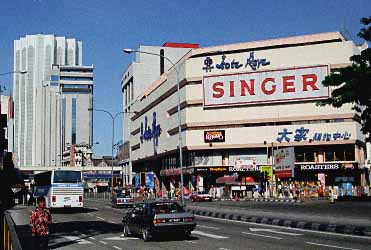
(324, 227)
(275, 200)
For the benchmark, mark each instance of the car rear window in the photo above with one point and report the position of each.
(166, 208)
(121, 195)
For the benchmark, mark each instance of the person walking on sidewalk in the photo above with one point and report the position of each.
(40, 221)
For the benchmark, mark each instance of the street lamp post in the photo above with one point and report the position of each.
(113, 117)
(178, 109)
(14, 72)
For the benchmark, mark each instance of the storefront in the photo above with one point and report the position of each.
(242, 102)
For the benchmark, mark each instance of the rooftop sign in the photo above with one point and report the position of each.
(283, 85)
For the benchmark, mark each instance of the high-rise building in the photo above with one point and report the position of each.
(38, 129)
(10, 123)
(73, 93)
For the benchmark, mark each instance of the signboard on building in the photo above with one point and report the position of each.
(242, 164)
(211, 169)
(150, 180)
(319, 166)
(284, 162)
(214, 136)
(284, 85)
(324, 167)
(302, 134)
(268, 170)
(150, 132)
(226, 62)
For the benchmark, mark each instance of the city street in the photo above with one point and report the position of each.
(98, 227)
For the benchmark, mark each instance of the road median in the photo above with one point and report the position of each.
(292, 220)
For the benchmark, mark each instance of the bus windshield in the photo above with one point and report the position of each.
(67, 177)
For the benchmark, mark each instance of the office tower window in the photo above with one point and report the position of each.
(74, 120)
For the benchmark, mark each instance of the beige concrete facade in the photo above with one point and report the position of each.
(246, 126)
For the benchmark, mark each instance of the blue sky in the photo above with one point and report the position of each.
(105, 27)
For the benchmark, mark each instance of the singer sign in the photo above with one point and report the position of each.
(284, 85)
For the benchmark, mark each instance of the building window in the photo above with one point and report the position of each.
(340, 153)
(74, 120)
(305, 154)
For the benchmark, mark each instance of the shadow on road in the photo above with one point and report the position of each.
(73, 210)
(68, 233)
(171, 237)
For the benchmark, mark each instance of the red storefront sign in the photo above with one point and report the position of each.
(282, 85)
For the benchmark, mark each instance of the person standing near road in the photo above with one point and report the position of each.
(40, 221)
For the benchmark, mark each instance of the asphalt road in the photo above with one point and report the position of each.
(98, 227)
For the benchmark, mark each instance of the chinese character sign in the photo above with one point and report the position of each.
(302, 134)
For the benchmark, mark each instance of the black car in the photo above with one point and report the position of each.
(153, 218)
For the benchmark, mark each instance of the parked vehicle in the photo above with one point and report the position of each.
(201, 196)
(122, 200)
(151, 219)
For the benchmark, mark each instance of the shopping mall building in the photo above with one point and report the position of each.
(241, 102)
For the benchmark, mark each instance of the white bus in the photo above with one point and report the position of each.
(61, 188)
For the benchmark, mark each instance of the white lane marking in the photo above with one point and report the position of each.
(202, 226)
(324, 245)
(261, 235)
(189, 241)
(120, 238)
(104, 243)
(77, 240)
(273, 231)
(119, 248)
(286, 228)
(112, 222)
(214, 236)
(222, 248)
(100, 218)
(92, 238)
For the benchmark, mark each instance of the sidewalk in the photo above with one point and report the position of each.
(341, 217)
(20, 215)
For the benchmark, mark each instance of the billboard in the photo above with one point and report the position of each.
(284, 162)
(150, 180)
(283, 85)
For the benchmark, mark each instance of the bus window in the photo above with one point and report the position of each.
(67, 176)
(43, 179)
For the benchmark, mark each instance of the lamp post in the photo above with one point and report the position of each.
(113, 117)
(178, 109)
(14, 72)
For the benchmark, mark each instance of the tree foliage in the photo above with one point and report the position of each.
(352, 84)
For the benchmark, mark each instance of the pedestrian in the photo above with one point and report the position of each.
(40, 221)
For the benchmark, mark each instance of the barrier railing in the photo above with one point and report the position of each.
(10, 237)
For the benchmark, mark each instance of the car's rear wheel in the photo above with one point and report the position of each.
(145, 234)
(126, 231)
(187, 235)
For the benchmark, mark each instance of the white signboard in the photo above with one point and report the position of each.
(284, 162)
(284, 85)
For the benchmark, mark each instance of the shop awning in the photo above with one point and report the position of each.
(230, 180)
(248, 180)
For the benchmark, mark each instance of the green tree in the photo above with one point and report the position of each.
(352, 84)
